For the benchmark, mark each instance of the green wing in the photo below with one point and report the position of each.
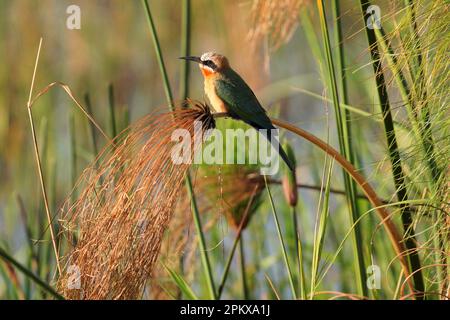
(241, 100)
(243, 104)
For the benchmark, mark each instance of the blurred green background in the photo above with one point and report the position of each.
(113, 47)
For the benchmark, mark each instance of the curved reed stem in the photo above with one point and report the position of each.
(389, 225)
(365, 186)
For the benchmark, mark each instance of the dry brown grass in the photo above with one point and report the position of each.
(276, 20)
(126, 202)
(220, 191)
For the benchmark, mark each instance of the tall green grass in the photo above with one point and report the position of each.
(344, 134)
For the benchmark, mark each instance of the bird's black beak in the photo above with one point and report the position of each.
(192, 58)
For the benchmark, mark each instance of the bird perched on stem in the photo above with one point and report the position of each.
(228, 92)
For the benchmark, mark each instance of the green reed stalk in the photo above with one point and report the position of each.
(30, 275)
(195, 212)
(185, 66)
(185, 47)
(320, 227)
(343, 128)
(201, 239)
(301, 271)
(228, 264)
(33, 259)
(92, 127)
(242, 268)
(73, 151)
(394, 153)
(280, 237)
(298, 254)
(235, 243)
(159, 57)
(291, 197)
(112, 110)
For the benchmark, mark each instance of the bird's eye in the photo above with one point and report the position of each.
(210, 64)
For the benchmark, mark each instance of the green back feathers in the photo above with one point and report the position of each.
(243, 104)
(241, 100)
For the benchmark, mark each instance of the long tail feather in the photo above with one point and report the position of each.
(277, 146)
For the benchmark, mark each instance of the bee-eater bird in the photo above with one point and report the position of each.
(228, 92)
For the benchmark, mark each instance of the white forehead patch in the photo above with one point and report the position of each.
(207, 56)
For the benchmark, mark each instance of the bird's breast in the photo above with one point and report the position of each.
(216, 102)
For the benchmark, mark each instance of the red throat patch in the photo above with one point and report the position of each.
(206, 71)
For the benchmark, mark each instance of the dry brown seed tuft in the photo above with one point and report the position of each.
(126, 202)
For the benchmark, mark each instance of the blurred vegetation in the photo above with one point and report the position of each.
(312, 63)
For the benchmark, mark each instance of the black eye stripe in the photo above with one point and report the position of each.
(210, 64)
